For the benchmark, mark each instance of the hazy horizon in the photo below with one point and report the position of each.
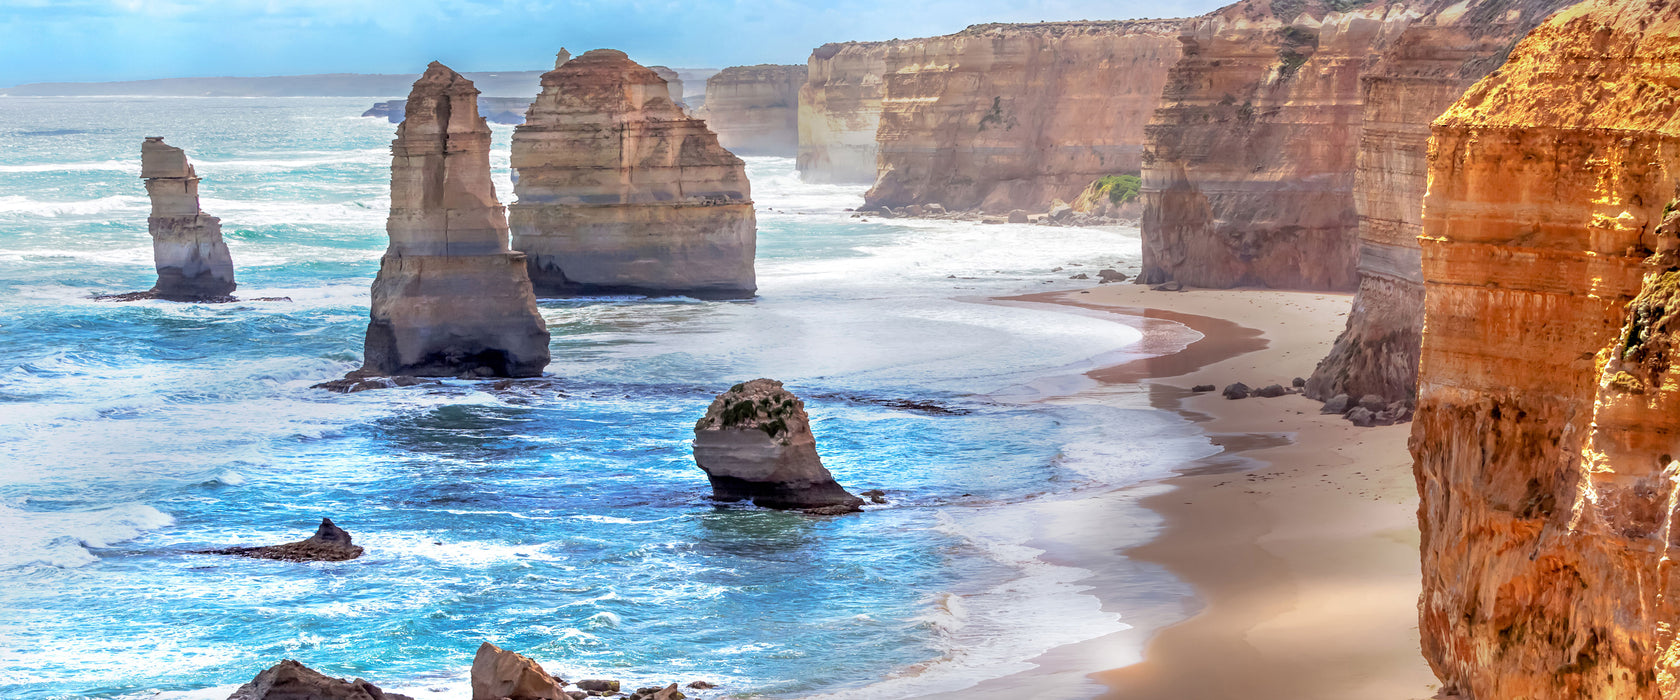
(54, 41)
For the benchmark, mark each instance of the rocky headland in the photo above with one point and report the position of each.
(840, 111)
(1000, 117)
(1248, 170)
(192, 260)
(755, 443)
(619, 191)
(1548, 409)
(754, 110)
(451, 298)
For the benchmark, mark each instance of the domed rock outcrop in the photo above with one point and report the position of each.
(621, 192)
(192, 260)
(754, 110)
(755, 443)
(451, 298)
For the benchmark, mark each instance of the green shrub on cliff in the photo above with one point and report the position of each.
(1118, 188)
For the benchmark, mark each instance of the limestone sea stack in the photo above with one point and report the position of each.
(1000, 117)
(1248, 168)
(754, 110)
(840, 111)
(755, 443)
(192, 260)
(1548, 420)
(1425, 70)
(620, 192)
(451, 298)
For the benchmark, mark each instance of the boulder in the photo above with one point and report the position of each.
(1298, 382)
(1018, 216)
(1271, 391)
(290, 680)
(669, 692)
(1372, 403)
(1080, 276)
(1201, 388)
(192, 260)
(933, 209)
(1337, 405)
(597, 685)
(1361, 416)
(1238, 390)
(702, 685)
(498, 673)
(1060, 211)
(1169, 286)
(1107, 275)
(755, 443)
(329, 543)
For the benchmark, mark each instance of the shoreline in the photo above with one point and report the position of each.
(1296, 507)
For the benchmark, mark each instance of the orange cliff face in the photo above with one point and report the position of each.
(1549, 410)
(840, 110)
(1012, 116)
(1248, 167)
(1418, 76)
(754, 110)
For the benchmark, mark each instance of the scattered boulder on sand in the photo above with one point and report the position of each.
(1238, 390)
(1372, 403)
(1200, 388)
(1337, 404)
(1298, 382)
(755, 443)
(1270, 391)
(290, 680)
(330, 543)
(498, 673)
(1361, 416)
(192, 260)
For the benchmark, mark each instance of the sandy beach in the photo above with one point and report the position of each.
(1300, 540)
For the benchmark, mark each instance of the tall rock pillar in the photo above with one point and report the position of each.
(192, 260)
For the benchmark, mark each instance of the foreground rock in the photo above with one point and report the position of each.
(755, 443)
(192, 260)
(1545, 435)
(451, 298)
(621, 192)
(840, 111)
(290, 680)
(498, 673)
(754, 110)
(329, 543)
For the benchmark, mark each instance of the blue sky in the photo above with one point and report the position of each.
(96, 40)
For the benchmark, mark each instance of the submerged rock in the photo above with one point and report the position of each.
(290, 680)
(192, 260)
(451, 298)
(330, 543)
(498, 673)
(755, 443)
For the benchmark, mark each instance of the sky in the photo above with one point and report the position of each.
(103, 40)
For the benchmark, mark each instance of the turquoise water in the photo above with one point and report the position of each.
(568, 523)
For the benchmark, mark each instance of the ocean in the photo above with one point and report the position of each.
(565, 521)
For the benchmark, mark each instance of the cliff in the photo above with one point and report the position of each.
(1248, 170)
(754, 110)
(1012, 116)
(755, 443)
(1421, 73)
(1546, 428)
(673, 83)
(840, 110)
(192, 260)
(450, 298)
(621, 192)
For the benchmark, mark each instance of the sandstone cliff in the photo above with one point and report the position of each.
(192, 260)
(840, 110)
(1423, 72)
(450, 298)
(1249, 165)
(620, 192)
(1012, 116)
(754, 110)
(1546, 432)
(673, 83)
(755, 443)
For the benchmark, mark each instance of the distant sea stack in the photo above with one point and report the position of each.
(754, 110)
(496, 110)
(1248, 172)
(840, 111)
(620, 192)
(451, 298)
(1000, 117)
(1422, 73)
(192, 260)
(755, 443)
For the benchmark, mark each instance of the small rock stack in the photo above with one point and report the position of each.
(755, 443)
(192, 260)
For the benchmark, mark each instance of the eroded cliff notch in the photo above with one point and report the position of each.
(451, 298)
(619, 191)
(192, 260)
(754, 110)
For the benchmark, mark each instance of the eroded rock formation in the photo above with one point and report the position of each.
(1423, 72)
(290, 680)
(451, 298)
(620, 192)
(1248, 171)
(840, 110)
(754, 110)
(498, 673)
(673, 83)
(329, 543)
(1012, 116)
(1548, 421)
(755, 443)
(192, 260)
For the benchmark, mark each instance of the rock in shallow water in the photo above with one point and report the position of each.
(498, 673)
(330, 543)
(755, 443)
(290, 680)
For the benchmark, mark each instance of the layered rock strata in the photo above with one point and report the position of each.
(754, 110)
(451, 298)
(1546, 431)
(1423, 72)
(192, 260)
(755, 443)
(1013, 116)
(840, 111)
(1248, 170)
(290, 680)
(621, 192)
(673, 84)
(329, 543)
